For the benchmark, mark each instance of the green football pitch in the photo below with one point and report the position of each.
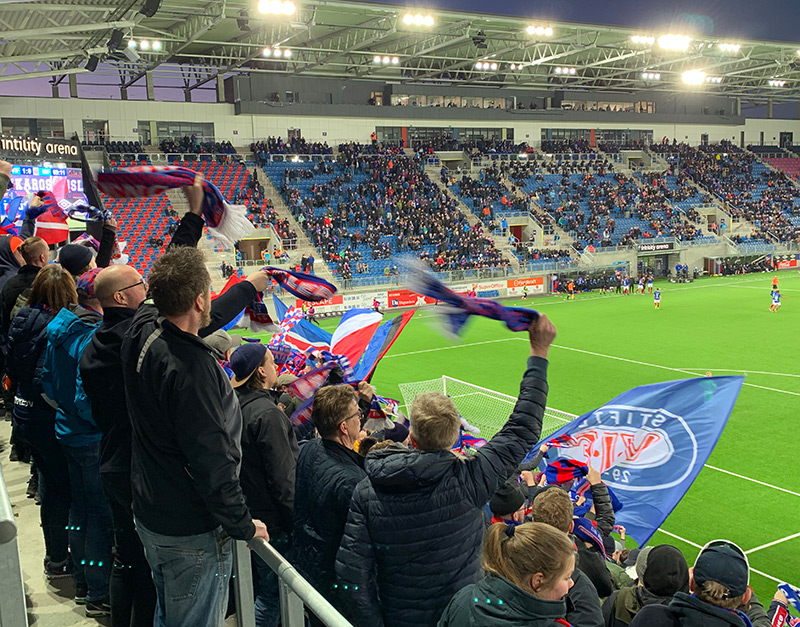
(607, 344)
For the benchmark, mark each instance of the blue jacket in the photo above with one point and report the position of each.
(67, 335)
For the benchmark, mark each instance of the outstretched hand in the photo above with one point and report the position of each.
(542, 332)
(194, 195)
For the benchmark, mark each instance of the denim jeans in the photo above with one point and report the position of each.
(90, 526)
(191, 575)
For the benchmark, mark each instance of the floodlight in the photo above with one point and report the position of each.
(541, 31)
(727, 47)
(376, 58)
(287, 53)
(694, 77)
(132, 43)
(674, 42)
(144, 44)
(156, 45)
(395, 61)
(776, 83)
(647, 40)
(266, 52)
(408, 18)
(428, 20)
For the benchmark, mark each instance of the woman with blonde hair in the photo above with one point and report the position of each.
(528, 572)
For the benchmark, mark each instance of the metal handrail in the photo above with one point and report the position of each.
(293, 584)
(13, 610)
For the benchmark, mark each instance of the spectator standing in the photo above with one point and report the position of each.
(328, 470)
(269, 460)
(398, 568)
(186, 424)
(52, 289)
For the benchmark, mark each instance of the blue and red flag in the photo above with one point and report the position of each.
(364, 338)
(562, 441)
(305, 286)
(564, 471)
(304, 336)
(651, 442)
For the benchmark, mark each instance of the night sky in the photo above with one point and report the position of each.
(774, 20)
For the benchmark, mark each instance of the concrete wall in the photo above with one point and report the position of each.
(356, 123)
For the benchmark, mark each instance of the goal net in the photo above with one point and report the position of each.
(484, 408)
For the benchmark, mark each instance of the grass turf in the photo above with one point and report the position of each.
(609, 344)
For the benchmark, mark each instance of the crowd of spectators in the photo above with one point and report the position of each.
(551, 146)
(395, 208)
(190, 144)
(292, 146)
(749, 190)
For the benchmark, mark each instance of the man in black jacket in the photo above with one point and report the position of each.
(328, 470)
(121, 290)
(269, 459)
(415, 527)
(36, 254)
(186, 453)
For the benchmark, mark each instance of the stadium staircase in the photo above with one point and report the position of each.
(501, 243)
(304, 245)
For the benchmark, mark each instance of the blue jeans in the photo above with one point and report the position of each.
(191, 575)
(90, 528)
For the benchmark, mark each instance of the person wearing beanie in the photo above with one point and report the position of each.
(719, 583)
(663, 573)
(76, 259)
(269, 460)
(508, 503)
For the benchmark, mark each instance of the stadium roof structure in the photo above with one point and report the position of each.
(199, 41)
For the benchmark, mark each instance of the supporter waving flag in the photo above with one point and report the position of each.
(305, 286)
(650, 443)
(226, 223)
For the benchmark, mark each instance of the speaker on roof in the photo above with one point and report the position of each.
(115, 41)
(91, 64)
(150, 7)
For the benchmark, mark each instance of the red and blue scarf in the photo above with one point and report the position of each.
(226, 223)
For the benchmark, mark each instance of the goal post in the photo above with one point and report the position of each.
(482, 407)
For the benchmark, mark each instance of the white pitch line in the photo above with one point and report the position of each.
(446, 348)
(775, 374)
(700, 546)
(681, 370)
(773, 543)
(737, 475)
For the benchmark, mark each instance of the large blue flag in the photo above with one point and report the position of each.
(650, 443)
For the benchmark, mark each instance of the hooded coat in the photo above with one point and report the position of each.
(415, 528)
(686, 610)
(495, 601)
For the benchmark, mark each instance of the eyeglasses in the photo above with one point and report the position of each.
(355, 415)
(142, 282)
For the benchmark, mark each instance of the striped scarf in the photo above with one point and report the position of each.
(226, 223)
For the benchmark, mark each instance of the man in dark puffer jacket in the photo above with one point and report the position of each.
(415, 528)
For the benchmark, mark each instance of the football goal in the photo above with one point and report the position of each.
(486, 409)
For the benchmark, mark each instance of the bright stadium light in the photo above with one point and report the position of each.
(776, 83)
(566, 71)
(156, 45)
(694, 77)
(715, 80)
(494, 66)
(387, 60)
(540, 31)
(277, 7)
(395, 61)
(287, 53)
(651, 76)
(674, 42)
(646, 40)
(417, 19)
(376, 58)
(132, 43)
(266, 52)
(144, 44)
(727, 47)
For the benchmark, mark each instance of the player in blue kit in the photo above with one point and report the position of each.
(657, 298)
(650, 283)
(776, 301)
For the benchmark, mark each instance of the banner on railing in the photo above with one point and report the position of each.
(534, 284)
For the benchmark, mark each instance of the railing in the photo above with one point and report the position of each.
(290, 158)
(451, 276)
(295, 592)
(160, 157)
(12, 590)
